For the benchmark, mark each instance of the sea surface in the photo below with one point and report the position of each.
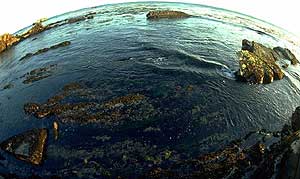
(185, 68)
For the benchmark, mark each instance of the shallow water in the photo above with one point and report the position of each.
(184, 67)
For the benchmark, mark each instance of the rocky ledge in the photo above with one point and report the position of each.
(167, 14)
(7, 40)
(258, 63)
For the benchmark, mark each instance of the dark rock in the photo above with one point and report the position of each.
(257, 63)
(285, 53)
(290, 167)
(296, 119)
(131, 107)
(38, 74)
(28, 146)
(167, 14)
(81, 18)
(285, 65)
(44, 50)
(8, 86)
(76, 19)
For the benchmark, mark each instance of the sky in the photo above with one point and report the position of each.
(17, 14)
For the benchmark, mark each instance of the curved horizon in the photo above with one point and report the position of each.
(50, 9)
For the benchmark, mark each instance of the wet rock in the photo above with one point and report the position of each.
(131, 107)
(31, 108)
(81, 18)
(285, 65)
(166, 14)
(258, 63)
(76, 19)
(38, 74)
(28, 146)
(35, 29)
(7, 40)
(8, 86)
(284, 53)
(238, 160)
(296, 119)
(290, 167)
(55, 130)
(44, 50)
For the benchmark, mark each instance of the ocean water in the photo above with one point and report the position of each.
(184, 67)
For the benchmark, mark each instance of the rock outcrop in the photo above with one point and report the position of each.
(167, 14)
(44, 50)
(36, 28)
(7, 40)
(28, 146)
(258, 63)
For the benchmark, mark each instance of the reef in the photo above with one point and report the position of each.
(166, 14)
(258, 62)
(238, 161)
(44, 50)
(38, 74)
(28, 146)
(270, 155)
(131, 107)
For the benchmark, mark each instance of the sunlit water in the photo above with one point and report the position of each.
(187, 64)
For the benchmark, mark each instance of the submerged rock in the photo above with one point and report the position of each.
(167, 14)
(131, 107)
(8, 86)
(44, 50)
(28, 146)
(236, 160)
(284, 53)
(258, 63)
(38, 74)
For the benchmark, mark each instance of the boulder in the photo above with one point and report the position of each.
(7, 40)
(258, 63)
(28, 146)
(167, 14)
